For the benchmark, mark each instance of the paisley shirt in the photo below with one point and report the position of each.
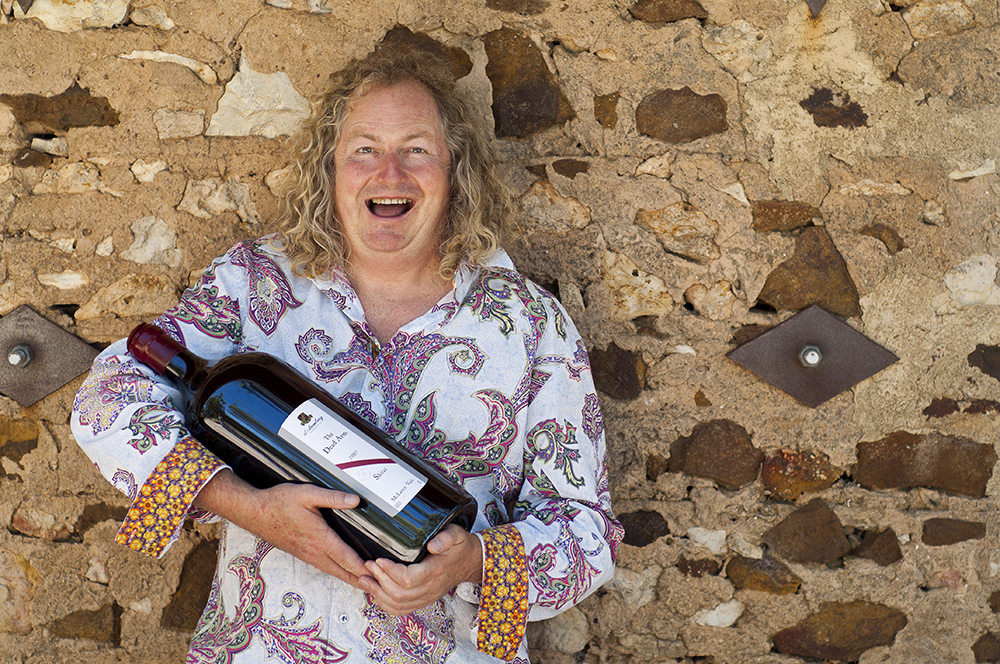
(492, 386)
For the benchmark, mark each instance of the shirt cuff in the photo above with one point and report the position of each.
(503, 609)
(155, 519)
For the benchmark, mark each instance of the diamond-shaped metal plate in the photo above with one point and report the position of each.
(848, 357)
(57, 356)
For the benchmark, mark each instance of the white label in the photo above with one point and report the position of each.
(346, 453)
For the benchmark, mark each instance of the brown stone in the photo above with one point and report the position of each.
(34, 522)
(886, 235)
(17, 438)
(902, 460)
(188, 601)
(102, 625)
(525, 7)
(830, 109)
(748, 333)
(99, 513)
(617, 372)
(667, 11)
(644, 527)
(782, 216)
(987, 648)
(679, 116)
(986, 359)
(720, 450)
(841, 631)
(940, 407)
(881, 547)
(401, 37)
(656, 465)
(570, 168)
(960, 69)
(944, 532)
(701, 400)
(526, 96)
(28, 158)
(538, 170)
(606, 110)
(994, 601)
(982, 406)
(698, 568)
(815, 274)
(810, 534)
(765, 574)
(75, 107)
(787, 475)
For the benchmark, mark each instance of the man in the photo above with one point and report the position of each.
(386, 285)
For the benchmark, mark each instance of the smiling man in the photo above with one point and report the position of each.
(386, 285)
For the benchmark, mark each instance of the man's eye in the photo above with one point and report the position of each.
(418, 150)
(365, 150)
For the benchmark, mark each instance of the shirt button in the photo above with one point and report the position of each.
(344, 617)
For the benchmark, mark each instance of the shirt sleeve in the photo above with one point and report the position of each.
(131, 421)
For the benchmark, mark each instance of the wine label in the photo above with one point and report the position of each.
(349, 455)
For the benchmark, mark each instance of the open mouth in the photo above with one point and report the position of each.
(389, 207)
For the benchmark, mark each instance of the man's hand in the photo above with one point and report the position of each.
(454, 556)
(287, 516)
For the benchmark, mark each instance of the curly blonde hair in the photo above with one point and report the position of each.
(480, 217)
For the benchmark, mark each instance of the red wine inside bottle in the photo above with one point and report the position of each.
(271, 425)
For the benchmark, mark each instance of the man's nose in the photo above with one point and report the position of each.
(391, 169)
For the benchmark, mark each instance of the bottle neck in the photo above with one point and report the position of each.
(166, 356)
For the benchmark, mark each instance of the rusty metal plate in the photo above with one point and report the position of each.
(813, 356)
(57, 357)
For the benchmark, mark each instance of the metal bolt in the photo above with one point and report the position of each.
(810, 356)
(19, 356)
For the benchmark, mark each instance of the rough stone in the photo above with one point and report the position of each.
(200, 69)
(902, 460)
(606, 109)
(815, 274)
(28, 158)
(714, 302)
(986, 359)
(134, 295)
(154, 242)
(941, 406)
(881, 547)
(974, 282)
(937, 19)
(782, 216)
(570, 168)
(841, 631)
(713, 540)
(724, 615)
(667, 11)
(77, 178)
(765, 575)
(97, 571)
(209, 198)
(683, 230)
(57, 147)
(65, 280)
(741, 47)
(656, 166)
(738, 544)
(525, 7)
(994, 601)
(982, 406)
(146, 172)
(987, 648)
(719, 450)
(542, 209)
(526, 96)
(18, 437)
(656, 465)
(635, 292)
(75, 107)
(402, 37)
(681, 116)
(637, 588)
(887, 235)
(256, 104)
(188, 601)
(152, 16)
(810, 534)
(698, 568)
(830, 109)
(944, 532)
(31, 521)
(787, 475)
(75, 16)
(617, 372)
(172, 124)
(643, 527)
(103, 625)
(18, 581)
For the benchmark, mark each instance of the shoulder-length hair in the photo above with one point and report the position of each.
(479, 215)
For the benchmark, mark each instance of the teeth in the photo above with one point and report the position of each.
(390, 201)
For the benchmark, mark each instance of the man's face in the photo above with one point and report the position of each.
(391, 169)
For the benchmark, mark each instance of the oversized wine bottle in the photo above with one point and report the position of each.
(272, 425)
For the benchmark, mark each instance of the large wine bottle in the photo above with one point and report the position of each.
(272, 425)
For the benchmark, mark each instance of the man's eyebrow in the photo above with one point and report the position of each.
(353, 135)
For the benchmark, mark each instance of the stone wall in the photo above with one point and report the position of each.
(690, 174)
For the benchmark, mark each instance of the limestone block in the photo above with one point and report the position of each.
(209, 198)
(155, 242)
(105, 247)
(657, 166)
(683, 230)
(974, 282)
(989, 166)
(713, 540)
(203, 71)
(65, 280)
(936, 19)
(741, 48)
(152, 16)
(62, 16)
(637, 588)
(146, 172)
(258, 104)
(281, 181)
(134, 295)
(18, 581)
(636, 293)
(724, 615)
(78, 178)
(57, 147)
(178, 124)
(543, 209)
(714, 302)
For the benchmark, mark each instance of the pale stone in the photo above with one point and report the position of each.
(209, 198)
(739, 46)
(57, 147)
(97, 571)
(78, 178)
(280, 4)
(607, 54)
(67, 245)
(18, 581)
(684, 349)
(739, 545)
(134, 295)
(543, 209)
(201, 70)
(988, 167)
(683, 230)
(178, 124)
(146, 172)
(568, 632)
(636, 293)
(105, 247)
(714, 302)
(63, 16)
(34, 522)
(637, 588)
(6, 172)
(65, 280)
(281, 181)
(143, 606)
(153, 16)
(256, 104)
(154, 242)
(974, 282)
(934, 214)
(724, 615)
(713, 540)
(868, 187)
(936, 19)
(657, 166)
(736, 191)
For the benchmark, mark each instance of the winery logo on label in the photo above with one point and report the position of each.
(304, 418)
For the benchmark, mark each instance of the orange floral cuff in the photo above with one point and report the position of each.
(503, 609)
(158, 512)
